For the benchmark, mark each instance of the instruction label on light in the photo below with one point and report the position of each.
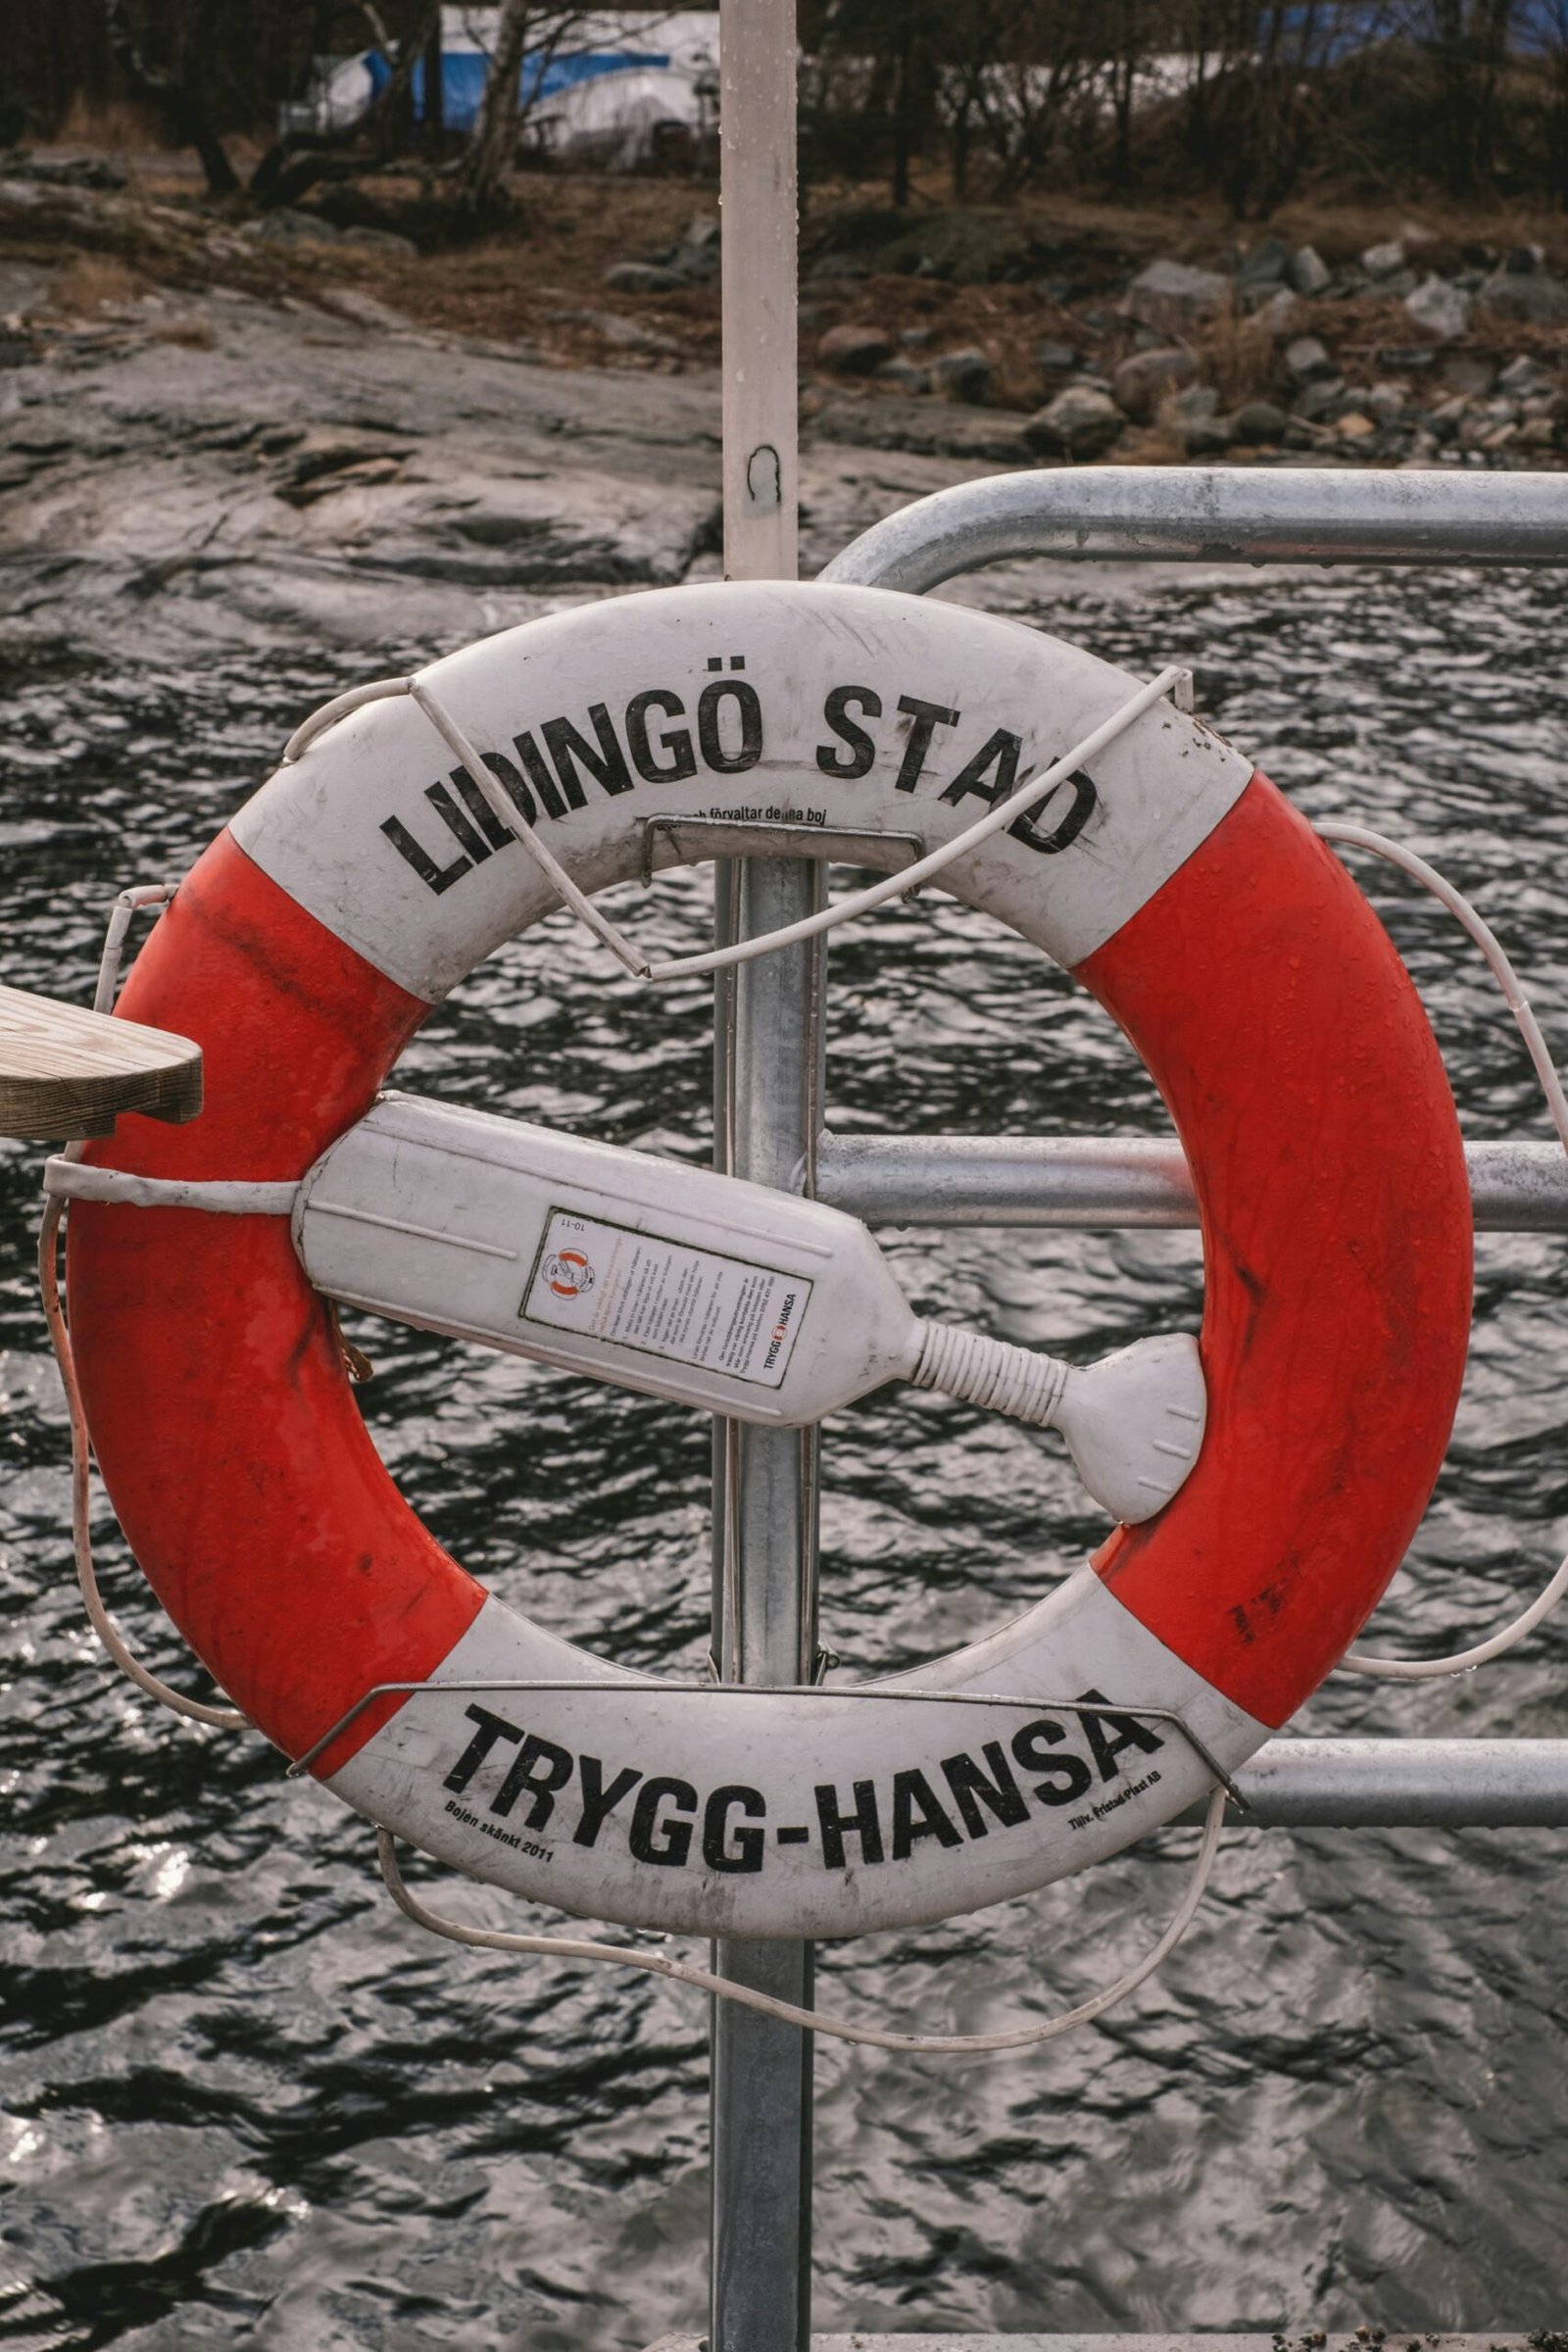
(661, 1298)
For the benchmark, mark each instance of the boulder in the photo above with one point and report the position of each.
(380, 240)
(1439, 310)
(1467, 375)
(1142, 382)
(1172, 295)
(1053, 357)
(1193, 417)
(645, 277)
(902, 375)
(1315, 400)
(1525, 260)
(286, 226)
(963, 374)
(1384, 261)
(1258, 421)
(1532, 295)
(1524, 376)
(1308, 272)
(1308, 361)
(854, 350)
(1264, 268)
(1080, 423)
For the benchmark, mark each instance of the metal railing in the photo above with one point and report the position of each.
(767, 1572)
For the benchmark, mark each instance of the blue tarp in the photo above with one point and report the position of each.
(465, 72)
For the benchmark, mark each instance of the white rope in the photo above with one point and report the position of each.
(1359, 837)
(103, 1625)
(1173, 679)
(65, 1179)
(817, 2021)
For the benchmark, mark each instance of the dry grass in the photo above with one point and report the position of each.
(195, 334)
(90, 280)
(112, 126)
(1239, 356)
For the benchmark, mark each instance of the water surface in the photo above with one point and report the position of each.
(246, 2103)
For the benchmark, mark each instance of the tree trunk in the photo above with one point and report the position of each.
(435, 113)
(482, 193)
(183, 108)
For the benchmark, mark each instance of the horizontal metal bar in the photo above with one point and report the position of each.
(1338, 2340)
(1408, 1784)
(1231, 515)
(1108, 1183)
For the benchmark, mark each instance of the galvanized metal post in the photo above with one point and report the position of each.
(767, 1118)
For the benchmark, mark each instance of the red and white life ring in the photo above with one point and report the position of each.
(361, 884)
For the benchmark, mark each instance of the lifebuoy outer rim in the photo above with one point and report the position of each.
(308, 944)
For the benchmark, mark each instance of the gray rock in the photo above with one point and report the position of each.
(1524, 376)
(1172, 295)
(1308, 361)
(351, 302)
(645, 277)
(1384, 261)
(1207, 436)
(927, 429)
(904, 375)
(1054, 359)
(286, 226)
(840, 265)
(1466, 374)
(1266, 266)
(625, 334)
(1308, 272)
(962, 375)
(1525, 260)
(1142, 382)
(854, 350)
(1313, 403)
(1258, 421)
(917, 339)
(1439, 310)
(1080, 423)
(1193, 418)
(380, 240)
(1541, 299)
(67, 171)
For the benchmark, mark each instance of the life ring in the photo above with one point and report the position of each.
(364, 881)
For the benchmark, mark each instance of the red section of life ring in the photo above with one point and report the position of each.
(1291, 1049)
(1284, 1035)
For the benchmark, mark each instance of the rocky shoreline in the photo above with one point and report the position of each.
(200, 448)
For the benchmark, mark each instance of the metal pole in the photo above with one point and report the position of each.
(1225, 514)
(767, 1113)
(1408, 1784)
(1115, 1183)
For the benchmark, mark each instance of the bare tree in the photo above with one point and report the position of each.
(481, 191)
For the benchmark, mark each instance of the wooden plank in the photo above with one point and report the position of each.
(65, 1070)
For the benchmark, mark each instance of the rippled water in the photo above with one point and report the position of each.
(245, 2103)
